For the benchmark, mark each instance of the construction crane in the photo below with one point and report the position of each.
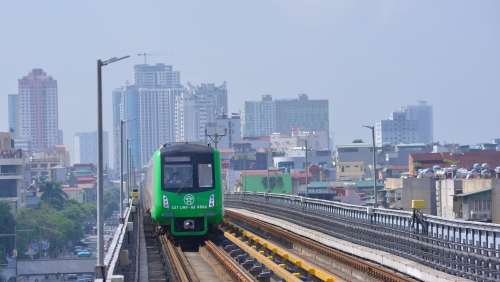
(150, 54)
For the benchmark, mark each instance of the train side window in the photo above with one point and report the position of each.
(205, 175)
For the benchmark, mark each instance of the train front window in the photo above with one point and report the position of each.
(177, 175)
(205, 175)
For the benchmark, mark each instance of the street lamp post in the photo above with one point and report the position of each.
(307, 170)
(100, 268)
(374, 168)
(122, 122)
(129, 174)
(133, 173)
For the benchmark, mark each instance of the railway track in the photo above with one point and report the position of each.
(173, 260)
(287, 238)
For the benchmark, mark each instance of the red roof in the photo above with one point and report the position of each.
(400, 167)
(300, 174)
(230, 150)
(72, 189)
(83, 180)
(465, 160)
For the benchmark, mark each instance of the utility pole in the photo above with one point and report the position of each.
(215, 137)
(374, 168)
(267, 166)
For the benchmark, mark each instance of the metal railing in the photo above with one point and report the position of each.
(462, 248)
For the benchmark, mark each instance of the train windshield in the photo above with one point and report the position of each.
(177, 175)
(205, 175)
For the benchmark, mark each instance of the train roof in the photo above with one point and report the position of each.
(187, 149)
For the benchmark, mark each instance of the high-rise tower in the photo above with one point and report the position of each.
(408, 124)
(266, 117)
(423, 114)
(86, 148)
(38, 109)
(195, 108)
(13, 117)
(146, 76)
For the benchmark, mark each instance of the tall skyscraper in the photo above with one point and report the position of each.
(86, 148)
(409, 124)
(197, 107)
(126, 108)
(266, 117)
(423, 114)
(146, 76)
(161, 110)
(13, 117)
(302, 112)
(258, 118)
(130, 113)
(117, 100)
(38, 109)
(156, 119)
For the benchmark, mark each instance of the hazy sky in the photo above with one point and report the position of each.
(367, 57)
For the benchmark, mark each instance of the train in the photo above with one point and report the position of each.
(183, 191)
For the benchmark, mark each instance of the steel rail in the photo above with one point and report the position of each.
(178, 262)
(229, 266)
(353, 262)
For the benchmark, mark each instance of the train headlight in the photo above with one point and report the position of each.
(211, 201)
(165, 202)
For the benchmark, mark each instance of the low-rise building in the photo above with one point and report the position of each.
(41, 164)
(11, 172)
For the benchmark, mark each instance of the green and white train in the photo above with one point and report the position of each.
(184, 188)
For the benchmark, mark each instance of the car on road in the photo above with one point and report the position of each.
(77, 249)
(87, 238)
(81, 244)
(72, 277)
(87, 277)
(84, 254)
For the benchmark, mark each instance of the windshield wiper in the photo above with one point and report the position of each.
(185, 183)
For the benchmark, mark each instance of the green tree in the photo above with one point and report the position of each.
(45, 222)
(416, 166)
(53, 193)
(71, 179)
(90, 210)
(111, 201)
(7, 226)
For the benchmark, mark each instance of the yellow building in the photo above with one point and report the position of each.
(353, 171)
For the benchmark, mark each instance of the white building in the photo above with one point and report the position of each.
(409, 124)
(396, 130)
(146, 76)
(86, 150)
(423, 114)
(156, 119)
(232, 125)
(316, 140)
(197, 107)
